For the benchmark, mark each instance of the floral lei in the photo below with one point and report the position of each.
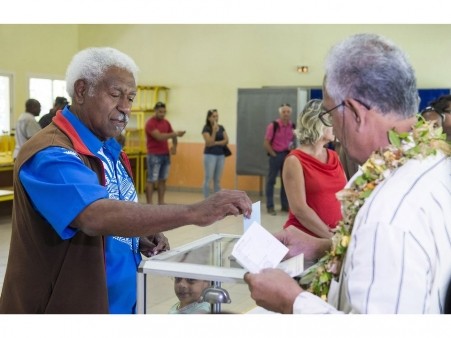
(422, 141)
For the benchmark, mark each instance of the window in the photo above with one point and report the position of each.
(5, 104)
(45, 90)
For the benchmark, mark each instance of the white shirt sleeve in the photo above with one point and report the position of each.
(307, 302)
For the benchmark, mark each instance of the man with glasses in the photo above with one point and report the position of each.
(279, 140)
(397, 255)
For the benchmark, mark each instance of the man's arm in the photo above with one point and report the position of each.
(70, 197)
(299, 241)
(274, 289)
(156, 134)
(128, 219)
(268, 148)
(266, 142)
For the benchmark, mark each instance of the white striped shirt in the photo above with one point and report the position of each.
(399, 256)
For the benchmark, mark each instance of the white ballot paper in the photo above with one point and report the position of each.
(258, 249)
(255, 216)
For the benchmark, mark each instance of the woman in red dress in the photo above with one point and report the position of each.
(314, 175)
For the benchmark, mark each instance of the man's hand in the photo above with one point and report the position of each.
(273, 290)
(221, 204)
(154, 244)
(298, 241)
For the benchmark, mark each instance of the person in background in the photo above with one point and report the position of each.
(313, 175)
(77, 229)
(158, 132)
(439, 111)
(215, 138)
(59, 104)
(279, 140)
(26, 125)
(395, 257)
(188, 291)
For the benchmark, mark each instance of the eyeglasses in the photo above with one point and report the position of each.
(325, 117)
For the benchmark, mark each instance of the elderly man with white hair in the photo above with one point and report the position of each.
(77, 230)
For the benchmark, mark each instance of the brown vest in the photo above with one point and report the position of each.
(46, 274)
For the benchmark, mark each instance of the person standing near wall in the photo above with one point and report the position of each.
(158, 132)
(27, 126)
(279, 140)
(215, 138)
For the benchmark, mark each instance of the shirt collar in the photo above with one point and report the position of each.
(91, 141)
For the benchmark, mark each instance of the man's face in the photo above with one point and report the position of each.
(160, 113)
(355, 140)
(106, 112)
(285, 113)
(36, 109)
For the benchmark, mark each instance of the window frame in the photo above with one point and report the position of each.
(10, 76)
(45, 104)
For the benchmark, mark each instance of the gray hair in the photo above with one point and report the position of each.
(309, 127)
(370, 68)
(91, 63)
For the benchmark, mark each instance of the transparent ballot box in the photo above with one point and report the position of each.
(208, 258)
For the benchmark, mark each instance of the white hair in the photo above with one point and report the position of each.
(90, 64)
(370, 68)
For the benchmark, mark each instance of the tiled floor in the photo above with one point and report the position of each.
(160, 293)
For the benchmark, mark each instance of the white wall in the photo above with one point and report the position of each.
(204, 65)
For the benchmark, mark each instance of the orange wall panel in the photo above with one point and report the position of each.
(187, 170)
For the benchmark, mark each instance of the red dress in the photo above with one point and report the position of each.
(322, 182)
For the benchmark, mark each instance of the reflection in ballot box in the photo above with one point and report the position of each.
(209, 259)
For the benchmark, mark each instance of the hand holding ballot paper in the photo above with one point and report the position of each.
(258, 249)
(261, 253)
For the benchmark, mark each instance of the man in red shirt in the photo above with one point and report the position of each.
(158, 132)
(279, 140)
